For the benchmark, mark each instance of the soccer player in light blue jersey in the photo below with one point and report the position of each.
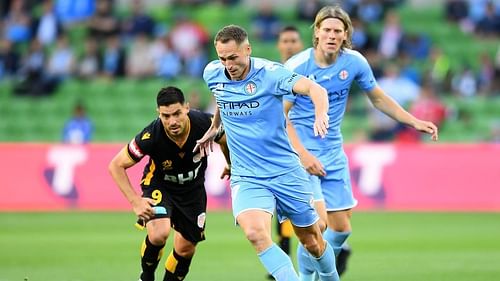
(266, 174)
(333, 65)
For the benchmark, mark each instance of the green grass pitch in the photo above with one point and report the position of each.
(79, 246)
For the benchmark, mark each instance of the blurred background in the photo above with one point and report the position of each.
(440, 59)
(79, 78)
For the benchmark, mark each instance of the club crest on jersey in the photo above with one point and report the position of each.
(250, 88)
(167, 165)
(343, 74)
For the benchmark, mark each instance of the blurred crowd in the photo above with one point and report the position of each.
(39, 49)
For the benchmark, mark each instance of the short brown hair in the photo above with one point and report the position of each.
(231, 32)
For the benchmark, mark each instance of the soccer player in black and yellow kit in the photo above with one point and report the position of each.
(173, 192)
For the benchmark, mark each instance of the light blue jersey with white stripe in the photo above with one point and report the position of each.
(337, 79)
(252, 113)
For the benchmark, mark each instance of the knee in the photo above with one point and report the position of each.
(186, 250)
(256, 235)
(313, 244)
(158, 237)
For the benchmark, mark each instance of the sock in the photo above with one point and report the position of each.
(150, 257)
(304, 262)
(336, 239)
(278, 264)
(285, 232)
(325, 265)
(176, 267)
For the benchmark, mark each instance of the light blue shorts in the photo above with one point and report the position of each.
(289, 194)
(334, 188)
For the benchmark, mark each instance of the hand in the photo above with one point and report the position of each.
(312, 165)
(226, 173)
(427, 127)
(321, 125)
(206, 143)
(143, 208)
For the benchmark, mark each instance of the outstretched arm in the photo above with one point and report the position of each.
(205, 144)
(311, 164)
(319, 98)
(387, 105)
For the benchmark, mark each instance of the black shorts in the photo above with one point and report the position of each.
(186, 210)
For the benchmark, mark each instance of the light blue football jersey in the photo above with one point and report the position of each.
(252, 113)
(337, 79)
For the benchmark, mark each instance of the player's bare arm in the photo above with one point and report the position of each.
(117, 168)
(205, 144)
(319, 98)
(225, 150)
(310, 162)
(391, 108)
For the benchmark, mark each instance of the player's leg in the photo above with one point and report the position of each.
(337, 233)
(179, 259)
(152, 247)
(339, 199)
(256, 224)
(158, 230)
(320, 253)
(305, 267)
(188, 219)
(253, 205)
(294, 200)
(285, 232)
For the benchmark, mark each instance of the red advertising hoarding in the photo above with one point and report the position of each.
(37, 177)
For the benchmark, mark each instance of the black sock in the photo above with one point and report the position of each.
(150, 257)
(176, 267)
(285, 244)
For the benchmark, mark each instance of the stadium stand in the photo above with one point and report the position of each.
(120, 108)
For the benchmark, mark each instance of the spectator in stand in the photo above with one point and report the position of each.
(139, 21)
(486, 73)
(402, 90)
(465, 83)
(103, 23)
(47, 27)
(440, 70)
(61, 62)
(9, 59)
(266, 24)
(391, 36)
(168, 64)
(190, 39)
(17, 23)
(361, 39)
(113, 59)
(417, 46)
(78, 129)
(426, 107)
(32, 80)
(89, 63)
(456, 10)
(489, 24)
(140, 61)
(306, 10)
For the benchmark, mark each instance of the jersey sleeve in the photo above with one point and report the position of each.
(286, 79)
(365, 78)
(140, 145)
